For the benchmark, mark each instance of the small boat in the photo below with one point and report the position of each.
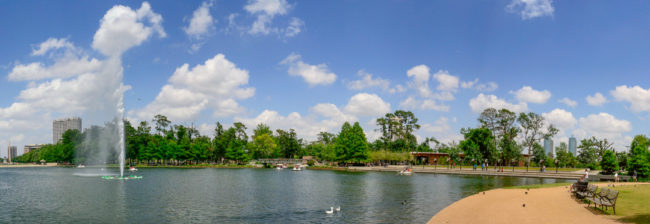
(406, 172)
(296, 168)
(133, 169)
(81, 166)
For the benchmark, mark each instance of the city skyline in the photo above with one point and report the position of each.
(292, 65)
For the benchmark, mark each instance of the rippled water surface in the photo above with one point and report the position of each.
(70, 195)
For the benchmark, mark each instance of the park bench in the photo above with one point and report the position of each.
(606, 198)
(579, 186)
(589, 192)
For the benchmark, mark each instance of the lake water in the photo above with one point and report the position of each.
(71, 195)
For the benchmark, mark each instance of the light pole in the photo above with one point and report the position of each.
(448, 163)
(423, 158)
(513, 165)
(436, 162)
(556, 167)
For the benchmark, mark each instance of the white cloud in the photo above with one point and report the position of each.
(446, 81)
(312, 74)
(217, 84)
(530, 95)
(367, 81)
(482, 102)
(397, 89)
(201, 22)
(122, 28)
(294, 28)
(561, 119)
(266, 10)
(637, 97)
(268, 7)
(596, 100)
(604, 125)
(420, 79)
(411, 103)
(51, 44)
(488, 87)
(365, 104)
(529, 9)
(568, 102)
(63, 67)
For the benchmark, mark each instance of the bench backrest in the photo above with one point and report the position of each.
(612, 195)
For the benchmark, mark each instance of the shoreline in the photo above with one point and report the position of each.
(396, 168)
(533, 205)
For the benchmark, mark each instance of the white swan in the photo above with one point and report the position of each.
(330, 211)
(338, 209)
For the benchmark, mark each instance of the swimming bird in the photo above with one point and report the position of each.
(329, 211)
(338, 209)
(404, 202)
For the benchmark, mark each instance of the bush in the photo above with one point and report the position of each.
(310, 162)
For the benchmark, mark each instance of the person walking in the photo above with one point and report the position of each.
(616, 177)
(634, 175)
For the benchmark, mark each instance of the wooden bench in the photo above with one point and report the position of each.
(589, 192)
(607, 199)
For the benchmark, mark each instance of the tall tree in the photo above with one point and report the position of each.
(608, 162)
(161, 122)
(478, 144)
(531, 129)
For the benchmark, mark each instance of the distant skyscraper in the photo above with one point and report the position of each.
(11, 152)
(548, 146)
(59, 126)
(572, 145)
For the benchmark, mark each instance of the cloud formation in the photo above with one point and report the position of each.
(312, 74)
(636, 96)
(218, 83)
(530, 95)
(596, 100)
(482, 102)
(201, 22)
(529, 9)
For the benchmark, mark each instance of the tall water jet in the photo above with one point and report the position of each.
(120, 127)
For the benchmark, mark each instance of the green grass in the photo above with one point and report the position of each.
(535, 186)
(633, 204)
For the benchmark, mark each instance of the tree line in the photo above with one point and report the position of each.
(500, 138)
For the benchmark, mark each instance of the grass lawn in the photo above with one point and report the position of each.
(633, 204)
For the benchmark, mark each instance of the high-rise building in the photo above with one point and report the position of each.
(31, 147)
(548, 146)
(11, 152)
(572, 145)
(59, 126)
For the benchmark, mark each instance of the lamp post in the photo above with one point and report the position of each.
(556, 167)
(513, 165)
(461, 163)
(448, 163)
(423, 158)
(436, 162)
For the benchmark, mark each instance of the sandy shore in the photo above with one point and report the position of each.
(543, 205)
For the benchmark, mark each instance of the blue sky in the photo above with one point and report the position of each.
(312, 65)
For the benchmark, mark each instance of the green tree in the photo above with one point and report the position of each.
(358, 150)
(478, 144)
(531, 129)
(588, 155)
(342, 142)
(608, 162)
(287, 143)
(264, 144)
(161, 122)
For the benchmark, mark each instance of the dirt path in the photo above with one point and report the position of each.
(544, 205)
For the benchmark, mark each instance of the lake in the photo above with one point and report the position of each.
(72, 195)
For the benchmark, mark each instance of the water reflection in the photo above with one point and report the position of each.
(57, 195)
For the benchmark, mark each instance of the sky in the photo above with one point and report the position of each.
(313, 65)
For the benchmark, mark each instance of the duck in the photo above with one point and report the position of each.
(338, 209)
(329, 211)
